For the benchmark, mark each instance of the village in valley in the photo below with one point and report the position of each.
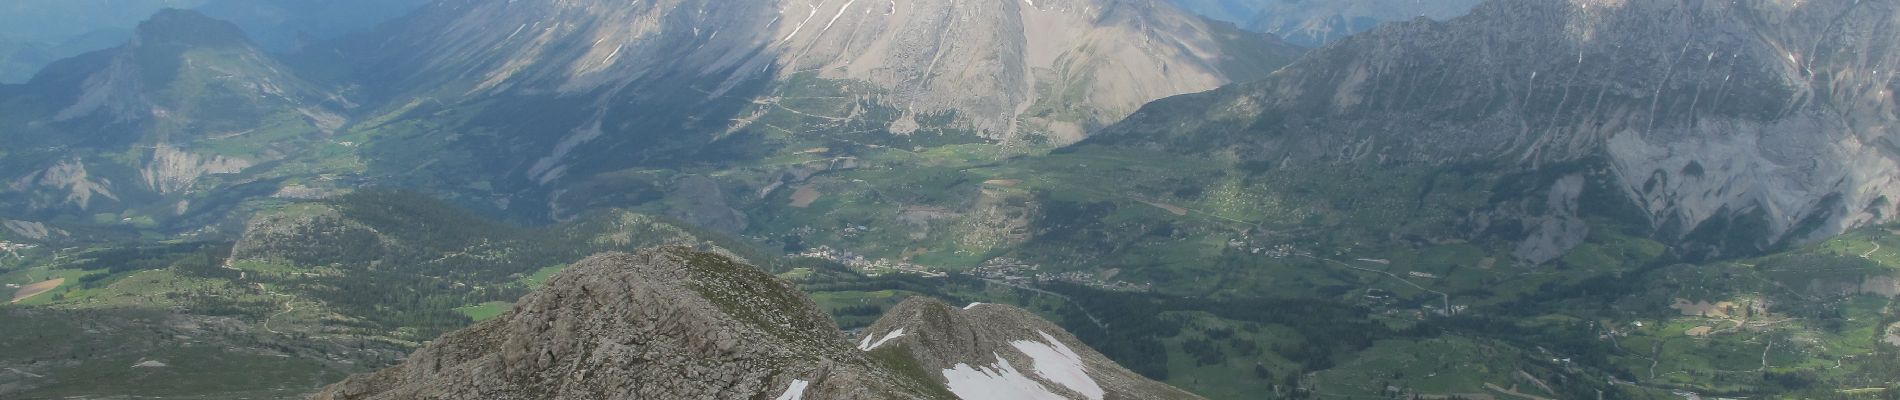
(1001, 269)
(13, 249)
(867, 265)
(1018, 272)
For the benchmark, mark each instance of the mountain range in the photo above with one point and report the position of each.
(683, 84)
(1516, 198)
(569, 107)
(139, 125)
(676, 323)
(1736, 127)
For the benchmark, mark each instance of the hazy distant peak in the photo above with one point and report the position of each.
(185, 27)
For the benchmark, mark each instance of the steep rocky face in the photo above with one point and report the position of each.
(986, 63)
(994, 351)
(1318, 22)
(188, 97)
(676, 323)
(1757, 122)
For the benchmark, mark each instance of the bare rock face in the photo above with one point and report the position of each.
(1766, 120)
(994, 351)
(985, 61)
(667, 323)
(985, 66)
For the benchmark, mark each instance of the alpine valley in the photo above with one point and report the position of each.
(1136, 199)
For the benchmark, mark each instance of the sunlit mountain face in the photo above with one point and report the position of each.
(1060, 199)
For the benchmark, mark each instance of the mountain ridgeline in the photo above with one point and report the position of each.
(677, 323)
(699, 198)
(985, 63)
(555, 92)
(188, 110)
(1730, 127)
(171, 129)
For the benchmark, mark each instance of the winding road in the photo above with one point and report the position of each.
(1441, 295)
(289, 305)
(1064, 297)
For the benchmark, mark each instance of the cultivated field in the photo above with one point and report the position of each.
(28, 291)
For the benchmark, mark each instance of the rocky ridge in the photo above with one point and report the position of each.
(995, 351)
(676, 323)
(664, 323)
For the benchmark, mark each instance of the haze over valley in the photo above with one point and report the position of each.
(1057, 199)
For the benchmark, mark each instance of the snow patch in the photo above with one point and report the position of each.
(867, 345)
(972, 305)
(801, 24)
(1056, 363)
(1001, 382)
(834, 18)
(796, 391)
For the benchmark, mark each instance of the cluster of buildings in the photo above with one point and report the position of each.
(1018, 272)
(1282, 250)
(867, 265)
(1007, 270)
(14, 248)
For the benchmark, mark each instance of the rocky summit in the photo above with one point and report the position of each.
(675, 323)
(994, 351)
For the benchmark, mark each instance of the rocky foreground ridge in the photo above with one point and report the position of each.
(676, 323)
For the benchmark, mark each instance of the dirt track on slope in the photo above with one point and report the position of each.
(28, 291)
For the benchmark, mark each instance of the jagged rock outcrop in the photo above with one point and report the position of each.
(1755, 123)
(64, 183)
(994, 351)
(32, 230)
(676, 323)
